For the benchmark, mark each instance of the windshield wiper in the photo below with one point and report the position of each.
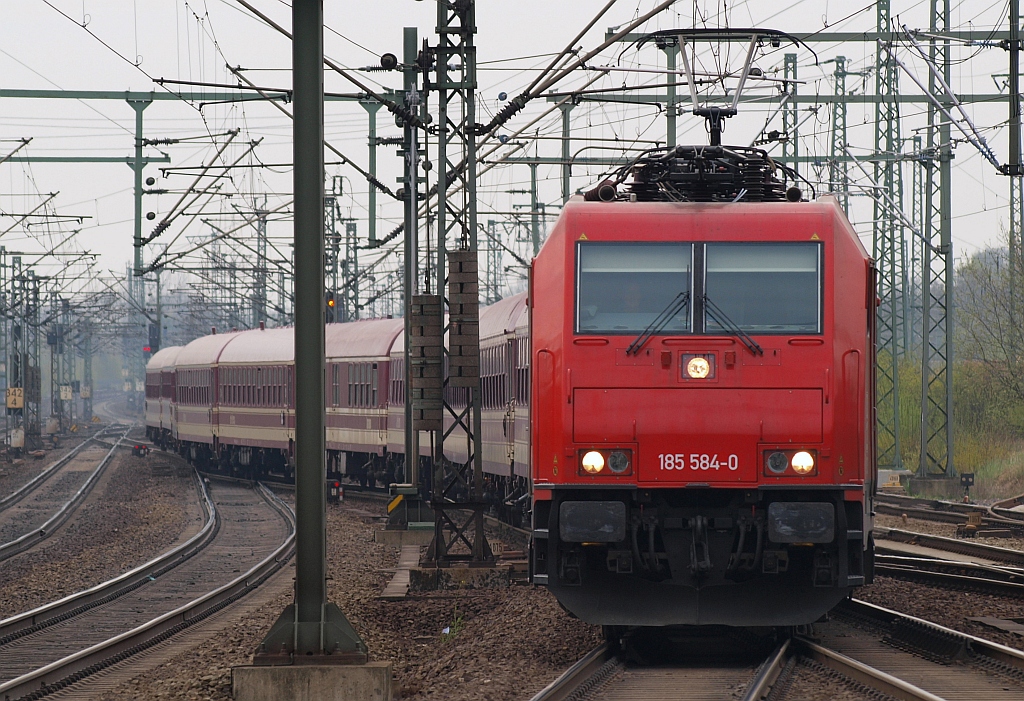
(723, 320)
(677, 304)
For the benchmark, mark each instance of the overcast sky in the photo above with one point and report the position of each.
(192, 41)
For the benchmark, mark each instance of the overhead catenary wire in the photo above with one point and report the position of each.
(173, 212)
(370, 178)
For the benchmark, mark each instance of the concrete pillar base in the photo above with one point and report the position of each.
(935, 487)
(365, 682)
(402, 537)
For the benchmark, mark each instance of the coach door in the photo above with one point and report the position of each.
(508, 423)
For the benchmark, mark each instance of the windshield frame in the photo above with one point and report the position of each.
(698, 288)
(820, 250)
(693, 266)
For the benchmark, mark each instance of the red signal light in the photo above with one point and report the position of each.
(145, 349)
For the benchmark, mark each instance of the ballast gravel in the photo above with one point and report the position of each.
(947, 607)
(502, 644)
(138, 509)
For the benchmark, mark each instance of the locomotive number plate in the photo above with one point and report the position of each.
(698, 461)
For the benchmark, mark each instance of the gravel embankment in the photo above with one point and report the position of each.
(509, 642)
(812, 682)
(17, 473)
(946, 607)
(139, 508)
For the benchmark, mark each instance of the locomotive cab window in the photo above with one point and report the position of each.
(624, 287)
(763, 288)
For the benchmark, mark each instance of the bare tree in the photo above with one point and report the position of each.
(990, 312)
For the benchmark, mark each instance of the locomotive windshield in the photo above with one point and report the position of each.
(765, 287)
(623, 287)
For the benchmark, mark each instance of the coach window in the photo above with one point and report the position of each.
(335, 384)
(373, 386)
(624, 287)
(763, 287)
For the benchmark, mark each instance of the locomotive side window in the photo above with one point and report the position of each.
(623, 287)
(764, 287)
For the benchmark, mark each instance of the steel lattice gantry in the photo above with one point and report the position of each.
(887, 250)
(457, 485)
(937, 267)
(837, 169)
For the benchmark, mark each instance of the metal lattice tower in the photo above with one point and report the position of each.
(1015, 170)
(350, 272)
(1016, 261)
(837, 168)
(791, 146)
(918, 249)
(888, 251)
(259, 284)
(493, 263)
(937, 268)
(332, 239)
(5, 345)
(67, 377)
(28, 352)
(457, 485)
(86, 388)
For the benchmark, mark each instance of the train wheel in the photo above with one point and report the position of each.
(614, 638)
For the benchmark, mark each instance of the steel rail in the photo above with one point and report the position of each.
(572, 678)
(63, 609)
(988, 552)
(27, 540)
(922, 502)
(61, 673)
(951, 512)
(30, 486)
(1001, 573)
(865, 674)
(952, 581)
(765, 679)
(979, 646)
(1010, 503)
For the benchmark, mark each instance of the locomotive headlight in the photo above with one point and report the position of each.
(593, 462)
(698, 368)
(778, 462)
(618, 462)
(803, 462)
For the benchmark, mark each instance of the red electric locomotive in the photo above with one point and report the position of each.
(701, 414)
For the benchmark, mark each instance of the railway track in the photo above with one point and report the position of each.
(871, 650)
(887, 541)
(999, 514)
(36, 510)
(953, 574)
(606, 676)
(53, 647)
